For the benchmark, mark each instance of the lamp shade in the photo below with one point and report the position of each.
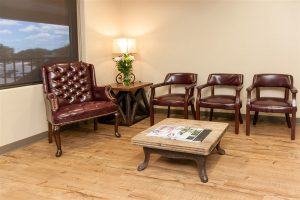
(124, 45)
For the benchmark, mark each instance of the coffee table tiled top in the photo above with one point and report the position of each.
(201, 148)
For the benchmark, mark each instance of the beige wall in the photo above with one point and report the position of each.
(100, 22)
(22, 113)
(206, 36)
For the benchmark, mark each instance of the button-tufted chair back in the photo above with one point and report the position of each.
(71, 82)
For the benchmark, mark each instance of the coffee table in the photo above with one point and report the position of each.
(197, 151)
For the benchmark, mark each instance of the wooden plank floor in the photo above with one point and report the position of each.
(96, 165)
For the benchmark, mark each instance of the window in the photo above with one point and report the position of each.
(34, 33)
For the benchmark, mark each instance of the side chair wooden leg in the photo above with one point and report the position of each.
(288, 121)
(248, 122)
(169, 108)
(151, 114)
(255, 118)
(186, 112)
(193, 110)
(117, 134)
(50, 132)
(56, 134)
(237, 121)
(240, 117)
(197, 111)
(211, 114)
(95, 124)
(293, 126)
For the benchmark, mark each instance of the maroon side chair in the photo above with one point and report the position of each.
(71, 95)
(227, 102)
(189, 80)
(272, 104)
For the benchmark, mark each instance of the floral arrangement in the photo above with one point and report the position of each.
(124, 66)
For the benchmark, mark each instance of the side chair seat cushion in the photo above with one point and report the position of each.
(85, 110)
(219, 101)
(271, 104)
(174, 99)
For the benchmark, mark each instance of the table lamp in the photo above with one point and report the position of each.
(124, 47)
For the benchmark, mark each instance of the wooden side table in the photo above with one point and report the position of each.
(132, 102)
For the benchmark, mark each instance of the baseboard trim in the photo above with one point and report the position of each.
(205, 114)
(23, 142)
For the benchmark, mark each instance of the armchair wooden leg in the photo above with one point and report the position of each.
(197, 111)
(255, 118)
(117, 134)
(193, 110)
(95, 124)
(169, 107)
(288, 121)
(293, 125)
(50, 132)
(248, 122)
(240, 117)
(56, 134)
(237, 121)
(211, 114)
(151, 114)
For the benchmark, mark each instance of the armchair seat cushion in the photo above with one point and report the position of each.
(219, 101)
(175, 99)
(271, 104)
(77, 112)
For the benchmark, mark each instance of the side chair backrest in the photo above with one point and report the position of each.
(181, 78)
(273, 80)
(225, 79)
(71, 82)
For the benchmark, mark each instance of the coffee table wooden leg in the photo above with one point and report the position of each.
(220, 150)
(202, 168)
(144, 165)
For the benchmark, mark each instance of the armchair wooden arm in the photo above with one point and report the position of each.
(52, 101)
(199, 88)
(294, 92)
(189, 90)
(103, 94)
(238, 94)
(188, 87)
(249, 91)
(153, 87)
(157, 85)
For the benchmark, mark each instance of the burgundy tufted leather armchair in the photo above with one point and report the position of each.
(71, 95)
(227, 102)
(272, 104)
(175, 99)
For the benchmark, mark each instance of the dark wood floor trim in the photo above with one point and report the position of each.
(22, 143)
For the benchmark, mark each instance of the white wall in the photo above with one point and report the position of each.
(22, 113)
(210, 36)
